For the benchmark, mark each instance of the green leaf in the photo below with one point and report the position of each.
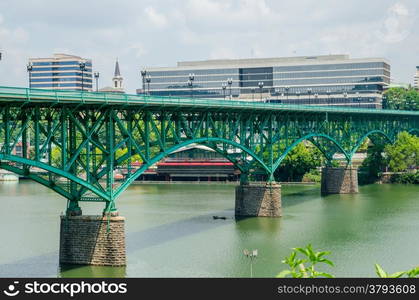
(380, 272)
(326, 261)
(324, 274)
(396, 275)
(283, 274)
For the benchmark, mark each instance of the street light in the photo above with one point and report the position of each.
(29, 67)
(309, 90)
(97, 81)
(253, 94)
(143, 74)
(260, 85)
(345, 95)
(190, 82)
(298, 96)
(230, 83)
(358, 99)
(287, 88)
(252, 255)
(148, 80)
(224, 86)
(82, 66)
(328, 92)
(316, 96)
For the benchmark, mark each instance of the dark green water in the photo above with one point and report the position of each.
(171, 232)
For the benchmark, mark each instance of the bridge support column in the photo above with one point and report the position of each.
(339, 180)
(258, 200)
(87, 240)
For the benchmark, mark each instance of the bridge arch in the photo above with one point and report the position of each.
(160, 156)
(46, 167)
(361, 140)
(308, 137)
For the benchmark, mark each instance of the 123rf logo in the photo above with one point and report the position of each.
(11, 290)
(71, 289)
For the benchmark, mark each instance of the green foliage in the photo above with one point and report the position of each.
(313, 175)
(409, 178)
(298, 162)
(404, 153)
(400, 98)
(298, 268)
(372, 165)
(305, 267)
(413, 273)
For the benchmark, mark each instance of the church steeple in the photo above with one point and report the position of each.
(117, 72)
(117, 78)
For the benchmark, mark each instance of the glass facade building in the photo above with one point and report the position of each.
(319, 80)
(60, 72)
(416, 80)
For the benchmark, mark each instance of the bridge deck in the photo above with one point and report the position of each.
(25, 95)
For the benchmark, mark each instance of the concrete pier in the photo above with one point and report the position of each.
(339, 181)
(258, 200)
(86, 240)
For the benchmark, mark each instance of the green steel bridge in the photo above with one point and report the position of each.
(73, 142)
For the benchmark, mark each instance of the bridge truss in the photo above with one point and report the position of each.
(74, 142)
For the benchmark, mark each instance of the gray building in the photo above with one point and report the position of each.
(416, 82)
(60, 72)
(309, 80)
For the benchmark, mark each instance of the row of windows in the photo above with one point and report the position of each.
(61, 74)
(196, 72)
(220, 78)
(261, 70)
(59, 63)
(60, 79)
(47, 85)
(368, 72)
(296, 91)
(329, 80)
(75, 68)
(254, 82)
(326, 67)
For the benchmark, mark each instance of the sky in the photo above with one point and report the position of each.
(142, 33)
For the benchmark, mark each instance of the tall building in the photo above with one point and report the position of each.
(117, 82)
(320, 80)
(60, 72)
(416, 83)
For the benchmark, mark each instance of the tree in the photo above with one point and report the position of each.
(404, 153)
(298, 162)
(401, 98)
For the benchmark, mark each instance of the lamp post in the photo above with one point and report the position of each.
(224, 86)
(148, 80)
(358, 99)
(287, 88)
(260, 85)
(96, 74)
(345, 95)
(328, 92)
(29, 68)
(230, 83)
(143, 74)
(316, 96)
(252, 255)
(309, 90)
(190, 82)
(253, 94)
(82, 66)
(298, 96)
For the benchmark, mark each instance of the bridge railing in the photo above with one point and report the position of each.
(43, 95)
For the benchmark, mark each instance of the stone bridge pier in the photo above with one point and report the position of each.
(258, 200)
(92, 240)
(339, 180)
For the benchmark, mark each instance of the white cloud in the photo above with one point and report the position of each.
(397, 25)
(156, 18)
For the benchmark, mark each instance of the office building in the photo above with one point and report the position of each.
(309, 80)
(416, 82)
(60, 72)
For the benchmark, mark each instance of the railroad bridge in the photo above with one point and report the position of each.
(79, 139)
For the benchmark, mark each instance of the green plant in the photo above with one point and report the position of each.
(305, 267)
(413, 273)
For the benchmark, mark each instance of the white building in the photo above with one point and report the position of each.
(117, 82)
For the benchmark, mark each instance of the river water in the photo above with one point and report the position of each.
(171, 233)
